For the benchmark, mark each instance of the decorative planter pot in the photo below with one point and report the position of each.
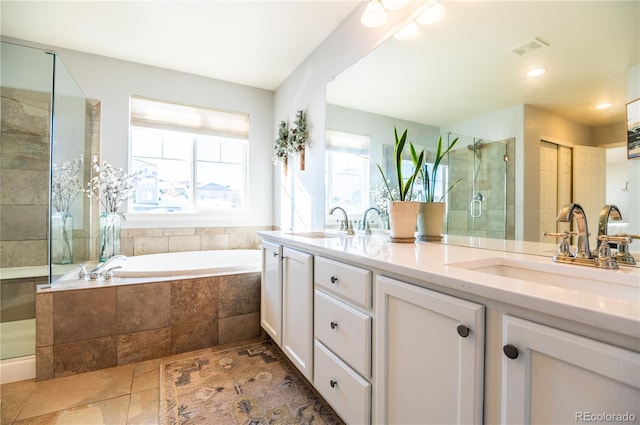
(431, 220)
(402, 220)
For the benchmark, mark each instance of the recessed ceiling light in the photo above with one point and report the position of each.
(536, 72)
(603, 105)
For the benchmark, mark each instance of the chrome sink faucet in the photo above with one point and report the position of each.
(566, 214)
(606, 213)
(345, 224)
(363, 225)
(102, 267)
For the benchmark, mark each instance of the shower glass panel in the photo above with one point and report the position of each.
(48, 131)
(26, 89)
(71, 169)
(482, 205)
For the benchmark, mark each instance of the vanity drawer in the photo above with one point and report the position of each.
(341, 387)
(348, 282)
(345, 330)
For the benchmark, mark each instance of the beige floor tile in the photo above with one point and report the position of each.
(143, 408)
(78, 390)
(13, 398)
(106, 412)
(146, 375)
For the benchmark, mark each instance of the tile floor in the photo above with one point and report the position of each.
(126, 395)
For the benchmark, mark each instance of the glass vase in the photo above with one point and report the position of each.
(61, 238)
(109, 240)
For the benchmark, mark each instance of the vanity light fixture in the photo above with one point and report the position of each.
(374, 15)
(432, 15)
(536, 72)
(409, 31)
(603, 105)
(394, 4)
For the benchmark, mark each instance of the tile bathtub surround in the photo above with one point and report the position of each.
(157, 240)
(88, 329)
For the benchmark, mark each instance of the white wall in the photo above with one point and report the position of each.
(306, 89)
(113, 81)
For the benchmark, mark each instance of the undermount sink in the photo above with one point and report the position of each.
(316, 235)
(565, 276)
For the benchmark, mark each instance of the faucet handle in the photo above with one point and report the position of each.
(563, 245)
(108, 274)
(83, 273)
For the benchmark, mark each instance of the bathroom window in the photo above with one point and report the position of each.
(347, 171)
(191, 159)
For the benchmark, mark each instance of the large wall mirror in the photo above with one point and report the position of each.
(465, 77)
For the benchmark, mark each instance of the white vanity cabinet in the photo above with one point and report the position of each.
(297, 309)
(553, 376)
(343, 335)
(430, 354)
(286, 303)
(271, 291)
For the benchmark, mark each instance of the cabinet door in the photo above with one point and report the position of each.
(430, 349)
(554, 377)
(297, 309)
(271, 291)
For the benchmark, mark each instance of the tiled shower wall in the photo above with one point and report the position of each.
(493, 173)
(24, 165)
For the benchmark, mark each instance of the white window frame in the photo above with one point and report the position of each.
(355, 144)
(150, 113)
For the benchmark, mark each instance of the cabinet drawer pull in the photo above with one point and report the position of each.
(463, 331)
(333, 383)
(510, 351)
(334, 325)
(275, 254)
(334, 279)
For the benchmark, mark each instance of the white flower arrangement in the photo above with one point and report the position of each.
(65, 185)
(111, 186)
(381, 196)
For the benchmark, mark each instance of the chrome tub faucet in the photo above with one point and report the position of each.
(101, 268)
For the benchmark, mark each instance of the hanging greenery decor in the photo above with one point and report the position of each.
(281, 146)
(299, 136)
(292, 140)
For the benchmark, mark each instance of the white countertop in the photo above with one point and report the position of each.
(613, 304)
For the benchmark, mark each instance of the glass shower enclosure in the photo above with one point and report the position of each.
(483, 203)
(46, 141)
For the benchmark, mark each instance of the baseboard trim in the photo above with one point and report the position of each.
(18, 369)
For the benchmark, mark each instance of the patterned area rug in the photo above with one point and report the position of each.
(248, 385)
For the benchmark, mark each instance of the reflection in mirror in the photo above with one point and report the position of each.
(440, 84)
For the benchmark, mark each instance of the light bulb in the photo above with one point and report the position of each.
(374, 15)
(394, 4)
(432, 15)
(409, 31)
(536, 72)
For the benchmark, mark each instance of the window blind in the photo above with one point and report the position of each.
(174, 116)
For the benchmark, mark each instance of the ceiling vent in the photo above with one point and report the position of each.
(530, 46)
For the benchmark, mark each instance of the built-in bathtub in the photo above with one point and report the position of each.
(211, 263)
(156, 305)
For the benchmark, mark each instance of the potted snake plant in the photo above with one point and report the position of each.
(403, 212)
(431, 212)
